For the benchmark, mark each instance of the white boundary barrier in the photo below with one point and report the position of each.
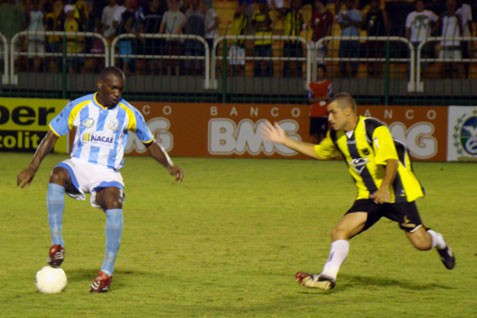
(411, 60)
(110, 54)
(182, 37)
(420, 60)
(14, 53)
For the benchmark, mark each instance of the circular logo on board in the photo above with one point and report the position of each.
(465, 134)
(468, 135)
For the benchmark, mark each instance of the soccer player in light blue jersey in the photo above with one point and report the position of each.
(102, 121)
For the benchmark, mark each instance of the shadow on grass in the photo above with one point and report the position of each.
(369, 281)
(122, 278)
(80, 274)
(347, 281)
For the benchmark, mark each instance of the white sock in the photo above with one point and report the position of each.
(339, 251)
(437, 239)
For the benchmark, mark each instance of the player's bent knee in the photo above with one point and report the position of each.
(339, 233)
(422, 246)
(115, 204)
(59, 176)
(110, 198)
(420, 242)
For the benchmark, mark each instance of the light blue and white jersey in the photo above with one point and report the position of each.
(101, 133)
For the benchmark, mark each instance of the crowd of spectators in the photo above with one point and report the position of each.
(112, 18)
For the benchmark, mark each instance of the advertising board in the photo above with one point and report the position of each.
(232, 130)
(24, 123)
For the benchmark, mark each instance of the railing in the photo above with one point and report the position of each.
(5, 76)
(420, 61)
(401, 83)
(274, 38)
(386, 58)
(166, 37)
(14, 53)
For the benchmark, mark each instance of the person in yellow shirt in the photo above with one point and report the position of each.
(53, 42)
(238, 26)
(262, 25)
(293, 23)
(382, 171)
(82, 12)
(74, 43)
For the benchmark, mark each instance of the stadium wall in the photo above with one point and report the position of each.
(231, 130)
(432, 133)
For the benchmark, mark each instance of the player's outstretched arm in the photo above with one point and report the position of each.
(161, 156)
(277, 135)
(25, 177)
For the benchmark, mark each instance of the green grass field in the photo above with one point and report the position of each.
(228, 240)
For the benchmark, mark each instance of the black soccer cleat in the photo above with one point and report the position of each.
(447, 257)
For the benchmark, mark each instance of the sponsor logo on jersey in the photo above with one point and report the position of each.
(113, 124)
(359, 164)
(88, 123)
(407, 223)
(365, 151)
(98, 138)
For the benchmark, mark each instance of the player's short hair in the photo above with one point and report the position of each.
(112, 70)
(345, 100)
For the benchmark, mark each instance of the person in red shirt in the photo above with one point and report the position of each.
(319, 94)
(321, 23)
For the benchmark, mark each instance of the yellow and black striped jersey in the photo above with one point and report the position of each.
(239, 27)
(366, 151)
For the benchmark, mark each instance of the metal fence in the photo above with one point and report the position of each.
(53, 64)
(369, 67)
(274, 69)
(164, 66)
(449, 72)
(279, 70)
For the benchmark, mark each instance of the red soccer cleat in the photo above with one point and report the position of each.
(300, 276)
(56, 255)
(101, 283)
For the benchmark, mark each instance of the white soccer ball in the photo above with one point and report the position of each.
(51, 280)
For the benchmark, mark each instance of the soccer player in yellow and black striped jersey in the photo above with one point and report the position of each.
(387, 186)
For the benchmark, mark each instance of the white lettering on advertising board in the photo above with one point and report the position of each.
(418, 138)
(226, 137)
(159, 127)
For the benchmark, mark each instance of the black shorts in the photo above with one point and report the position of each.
(318, 125)
(404, 213)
